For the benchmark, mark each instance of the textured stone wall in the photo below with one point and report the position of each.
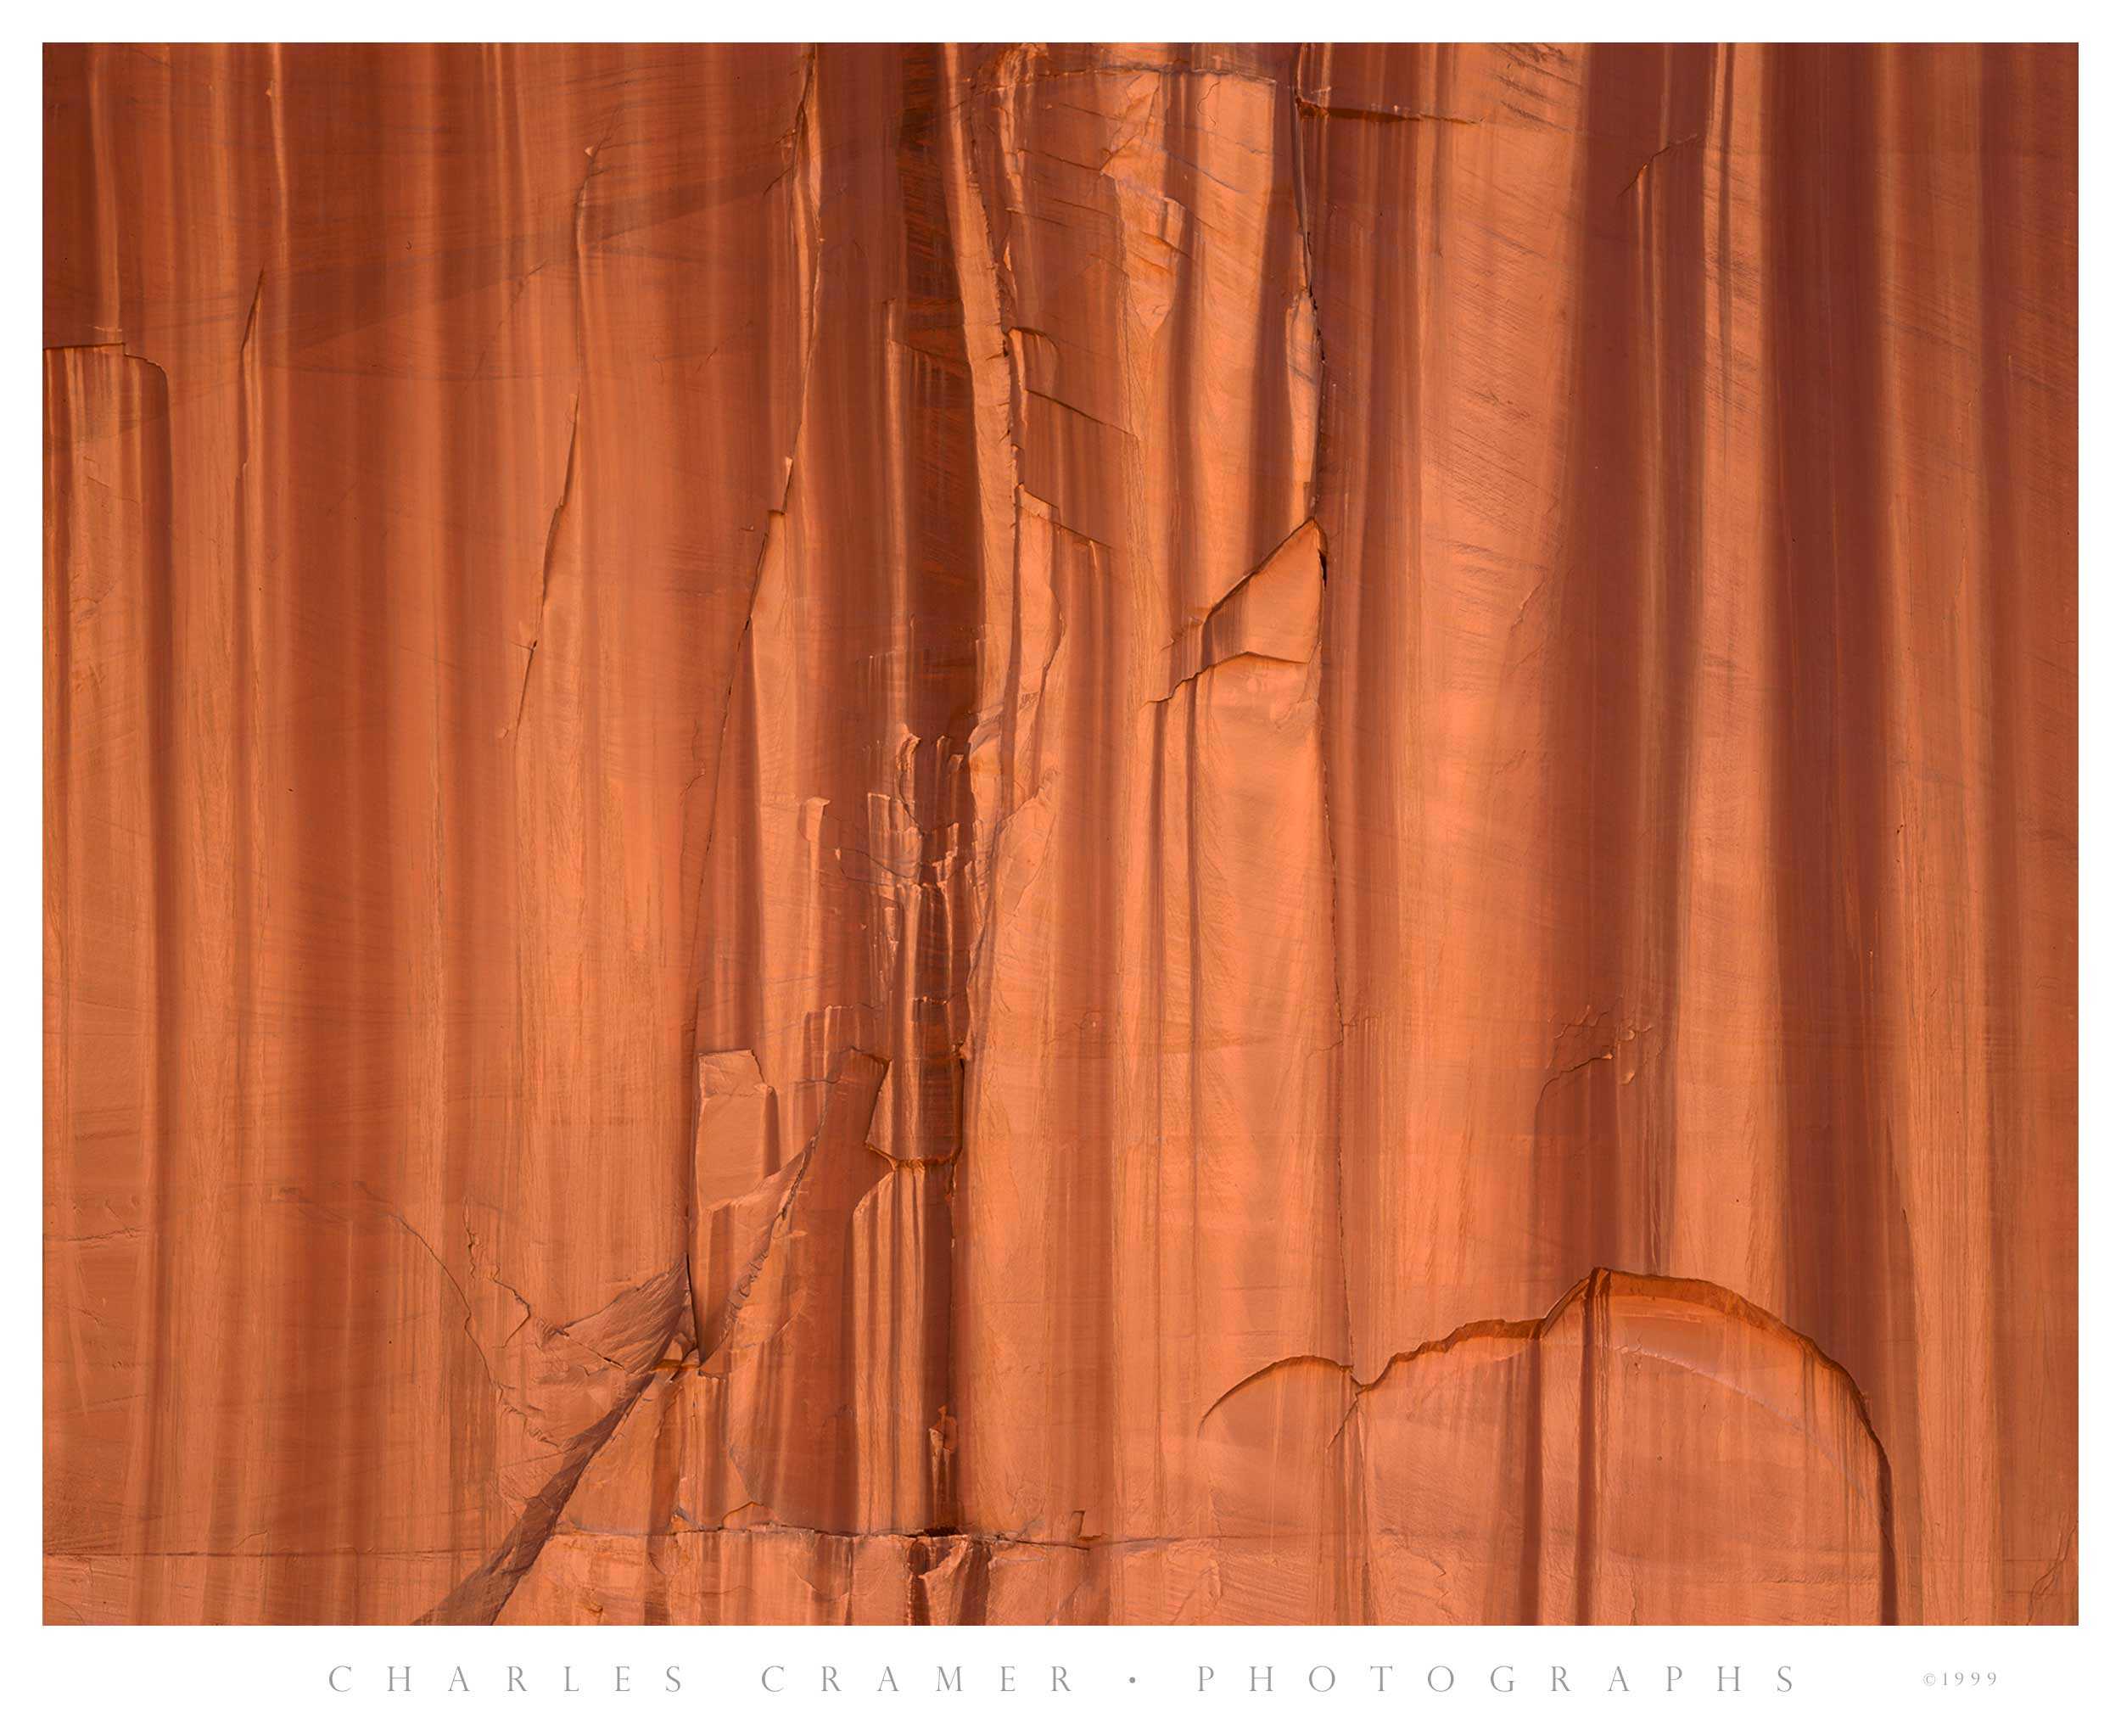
(1076, 834)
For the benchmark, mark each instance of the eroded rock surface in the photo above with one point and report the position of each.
(854, 834)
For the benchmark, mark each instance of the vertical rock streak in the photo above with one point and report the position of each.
(922, 835)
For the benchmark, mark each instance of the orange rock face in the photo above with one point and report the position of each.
(1060, 835)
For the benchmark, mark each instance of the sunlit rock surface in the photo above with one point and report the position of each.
(1060, 835)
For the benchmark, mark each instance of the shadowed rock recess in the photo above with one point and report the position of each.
(1060, 834)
